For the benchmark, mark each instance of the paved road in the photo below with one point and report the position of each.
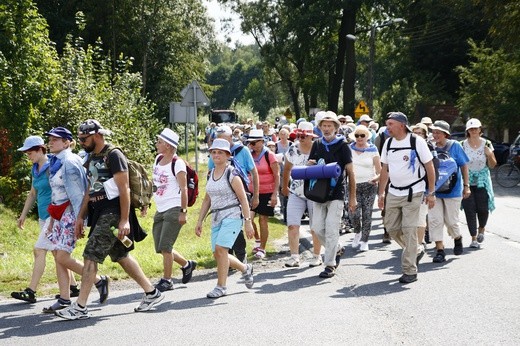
(471, 299)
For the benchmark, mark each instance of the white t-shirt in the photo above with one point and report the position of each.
(403, 166)
(168, 193)
(363, 164)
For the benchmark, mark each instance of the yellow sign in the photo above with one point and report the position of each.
(361, 109)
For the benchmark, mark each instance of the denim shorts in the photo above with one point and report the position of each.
(102, 242)
(225, 234)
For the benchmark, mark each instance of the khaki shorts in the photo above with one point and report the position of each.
(166, 229)
(102, 242)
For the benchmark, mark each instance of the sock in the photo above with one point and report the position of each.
(296, 257)
(80, 306)
(152, 293)
(63, 301)
(186, 265)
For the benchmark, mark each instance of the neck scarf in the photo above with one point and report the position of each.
(338, 138)
(371, 148)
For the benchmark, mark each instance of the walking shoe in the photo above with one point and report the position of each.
(74, 292)
(292, 262)
(386, 238)
(60, 304)
(248, 276)
(260, 253)
(406, 278)
(328, 272)
(474, 244)
(149, 301)
(340, 253)
(27, 295)
(420, 253)
(164, 285)
(355, 241)
(188, 271)
(440, 257)
(458, 249)
(480, 237)
(73, 312)
(217, 292)
(315, 261)
(363, 246)
(102, 287)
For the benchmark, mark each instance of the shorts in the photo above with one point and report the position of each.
(43, 242)
(102, 242)
(166, 228)
(263, 207)
(225, 234)
(296, 207)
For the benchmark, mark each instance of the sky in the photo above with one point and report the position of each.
(223, 31)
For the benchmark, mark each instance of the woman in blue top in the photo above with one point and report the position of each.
(40, 192)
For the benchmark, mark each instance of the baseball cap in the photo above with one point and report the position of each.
(224, 129)
(400, 117)
(92, 126)
(59, 132)
(473, 124)
(31, 142)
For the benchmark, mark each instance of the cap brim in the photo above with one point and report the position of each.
(439, 129)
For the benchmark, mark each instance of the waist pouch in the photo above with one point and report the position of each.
(56, 210)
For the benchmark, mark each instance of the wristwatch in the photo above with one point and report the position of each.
(432, 194)
(184, 210)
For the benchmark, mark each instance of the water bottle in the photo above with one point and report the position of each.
(191, 184)
(126, 241)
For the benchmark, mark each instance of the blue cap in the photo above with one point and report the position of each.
(31, 142)
(59, 132)
(400, 117)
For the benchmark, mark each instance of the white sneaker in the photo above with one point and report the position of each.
(363, 246)
(315, 261)
(474, 244)
(149, 301)
(356, 240)
(292, 262)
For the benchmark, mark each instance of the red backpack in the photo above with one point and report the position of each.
(192, 179)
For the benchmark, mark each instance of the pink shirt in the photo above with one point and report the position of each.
(265, 174)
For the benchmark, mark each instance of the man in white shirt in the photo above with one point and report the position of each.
(405, 171)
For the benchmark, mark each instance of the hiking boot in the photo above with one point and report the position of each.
(340, 253)
(292, 262)
(149, 301)
(164, 285)
(248, 276)
(328, 272)
(386, 238)
(73, 312)
(474, 244)
(440, 256)
(315, 261)
(102, 287)
(355, 241)
(60, 304)
(188, 271)
(27, 295)
(406, 278)
(217, 292)
(74, 292)
(458, 249)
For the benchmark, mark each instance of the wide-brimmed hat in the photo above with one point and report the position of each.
(358, 130)
(306, 128)
(441, 125)
(427, 121)
(169, 137)
(328, 116)
(92, 126)
(400, 117)
(473, 124)
(59, 132)
(255, 135)
(31, 142)
(224, 129)
(421, 126)
(366, 117)
(220, 144)
(349, 119)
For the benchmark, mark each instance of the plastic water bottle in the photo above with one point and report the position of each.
(191, 184)
(126, 241)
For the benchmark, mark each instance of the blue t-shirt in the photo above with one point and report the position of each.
(243, 158)
(458, 154)
(40, 182)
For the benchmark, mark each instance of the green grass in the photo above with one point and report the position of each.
(16, 247)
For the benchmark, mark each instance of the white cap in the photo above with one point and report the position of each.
(473, 124)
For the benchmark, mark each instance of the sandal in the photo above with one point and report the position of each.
(27, 295)
(60, 304)
(217, 292)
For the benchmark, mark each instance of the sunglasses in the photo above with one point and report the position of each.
(358, 135)
(83, 139)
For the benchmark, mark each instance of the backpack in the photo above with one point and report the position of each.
(192, 179)
(141, 187)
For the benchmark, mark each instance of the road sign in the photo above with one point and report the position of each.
(361, 109)
(192, 94)
(179, 114)
(288, 113)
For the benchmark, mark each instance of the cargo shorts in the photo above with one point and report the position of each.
(102, 242)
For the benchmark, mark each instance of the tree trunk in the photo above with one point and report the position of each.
(349, 91)
(336, 77)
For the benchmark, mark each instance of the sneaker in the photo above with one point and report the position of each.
(315, 261)
(164, 285)
(340, 253)
(74, 292)
(102, 287)
(328, 272)
(420, 253)
(474, 244)
(363, 246)
(73, 312)
(292, 262)
(27, 295)
(458, 249)
(248, 276)
(355, 241)
(480, 237)
(386, 238)
(60, 304)
(440, 256)
(406, 279)
(188, 271)
(260, 253)
(217, 292)
(149, 301)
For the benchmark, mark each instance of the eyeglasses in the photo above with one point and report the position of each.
(358, 135)
(253, 143)
(83, 139)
